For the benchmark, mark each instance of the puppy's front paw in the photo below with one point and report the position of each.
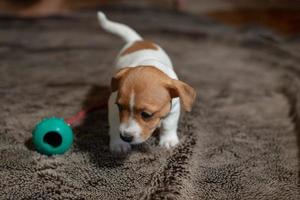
(168, 141)
(119, 146)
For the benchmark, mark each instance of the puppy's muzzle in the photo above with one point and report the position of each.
(126, 137)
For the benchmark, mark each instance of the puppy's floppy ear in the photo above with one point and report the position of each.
(115, 81)
(186, 93)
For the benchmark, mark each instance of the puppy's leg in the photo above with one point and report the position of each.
(116, 144)
(168, 131)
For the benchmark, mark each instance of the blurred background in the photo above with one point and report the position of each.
(281, 16)
(241, 141)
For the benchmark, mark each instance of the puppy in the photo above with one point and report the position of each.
(146, 92)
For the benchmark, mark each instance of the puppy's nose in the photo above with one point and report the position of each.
(126, 137)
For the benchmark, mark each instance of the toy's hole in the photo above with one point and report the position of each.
(53, 138)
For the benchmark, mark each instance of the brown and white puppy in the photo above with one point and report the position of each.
(146, 92)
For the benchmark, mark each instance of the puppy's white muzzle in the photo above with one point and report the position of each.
(131, 132)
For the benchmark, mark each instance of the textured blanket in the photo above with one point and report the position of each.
(241, 141)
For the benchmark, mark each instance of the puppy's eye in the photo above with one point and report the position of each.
(119, 106)
(146, 115)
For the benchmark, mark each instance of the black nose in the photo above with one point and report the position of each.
(126, 138)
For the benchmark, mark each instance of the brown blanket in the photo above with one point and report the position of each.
(241, 141)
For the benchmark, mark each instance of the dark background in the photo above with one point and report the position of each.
(241, 141)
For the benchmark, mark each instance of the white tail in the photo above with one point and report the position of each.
(122, 30)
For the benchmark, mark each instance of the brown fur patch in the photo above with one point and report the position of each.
(139, 45)
(151, 95)
(153, 91)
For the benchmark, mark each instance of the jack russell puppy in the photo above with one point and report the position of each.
(146, 92)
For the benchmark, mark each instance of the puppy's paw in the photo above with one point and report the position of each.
(119, 146)
(168, 141)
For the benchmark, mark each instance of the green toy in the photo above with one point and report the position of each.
(55, 136)
(52, 136)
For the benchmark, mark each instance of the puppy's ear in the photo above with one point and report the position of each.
(186, 93)
(115, 81)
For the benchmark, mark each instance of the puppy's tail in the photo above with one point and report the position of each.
(122, 30)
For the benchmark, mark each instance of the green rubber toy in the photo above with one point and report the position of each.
(52, 136)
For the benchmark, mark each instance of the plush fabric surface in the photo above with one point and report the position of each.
(241, 141)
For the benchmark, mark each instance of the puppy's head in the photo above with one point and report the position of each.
(144, 98)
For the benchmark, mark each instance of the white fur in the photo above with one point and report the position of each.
(157, 58)
(131, 103)
(131, 127)
(116, 144)
(122, 30)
